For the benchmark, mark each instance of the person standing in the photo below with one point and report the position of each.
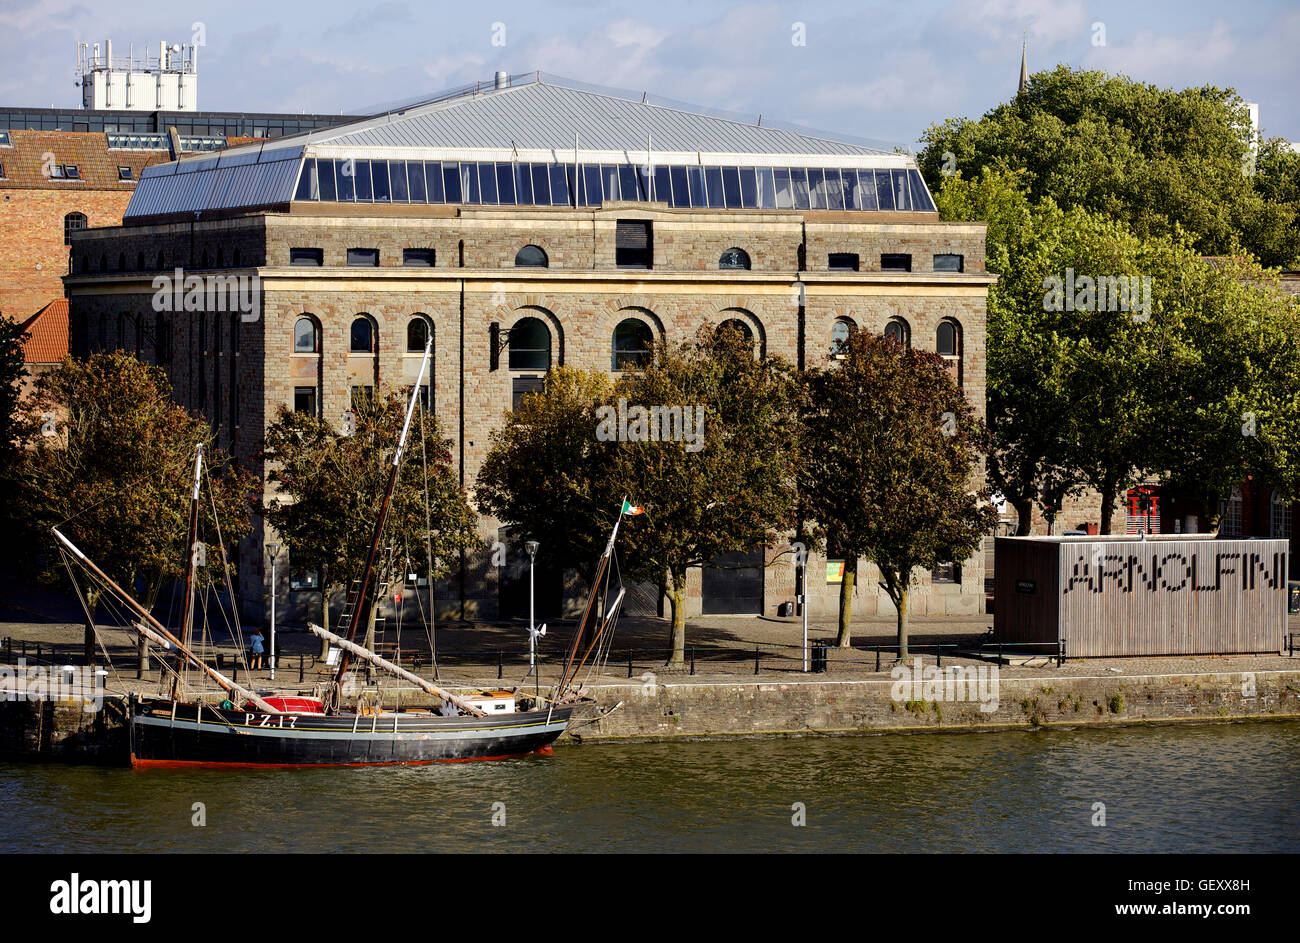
(255, 655)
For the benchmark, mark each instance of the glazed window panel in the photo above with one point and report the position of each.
(487, 182)
(748, 188)
(397, 178)
(415, 181)
(530, 345)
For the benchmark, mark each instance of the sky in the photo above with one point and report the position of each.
(878, 71)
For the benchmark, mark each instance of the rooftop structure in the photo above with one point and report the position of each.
(169, 82)
(526, 140)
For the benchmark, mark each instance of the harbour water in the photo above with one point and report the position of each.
(1221, 788)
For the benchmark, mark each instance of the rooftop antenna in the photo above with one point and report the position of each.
(643, 97)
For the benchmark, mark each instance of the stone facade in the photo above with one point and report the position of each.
(239, 371)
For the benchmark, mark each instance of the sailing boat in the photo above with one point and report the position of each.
(250, 730)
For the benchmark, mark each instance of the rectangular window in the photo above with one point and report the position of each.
(345, 181)
(731, 186)
(415, 181)
(902, 190)
(363, 257)
(895, 262)
(541, 184)
(57, 172)
(379, 174)
(433, 180)
(834, 190)
(949, 262)
(884, 191)
(946, 573)
(842, 262)
(303, 580)
(302, 256)
(469, 183)
(748, 188)
(663, 186)
(867, 190)
(766, 188)
(590, 194)
(308, 187)
(695, 180)
(609, 182)
(397, 175)
(362, 397)
(73, 172)
(713, 180)
(325, 174)
(628, 183)
(123, 173)
(361, 183)
(451, 182)
(420, 258)
(633, 243)
(524, 386)
(799, 183)
(920, 197)
(560, 195)
(523, 184)
(304, 400)
(681, 188)
(816, 189)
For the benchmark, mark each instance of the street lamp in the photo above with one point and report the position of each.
(533, 632)
(274, 550)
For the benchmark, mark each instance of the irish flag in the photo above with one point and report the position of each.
(631, 509)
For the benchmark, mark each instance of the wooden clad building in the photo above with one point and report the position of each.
(1182, 594)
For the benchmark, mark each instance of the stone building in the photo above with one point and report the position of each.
(526, 225)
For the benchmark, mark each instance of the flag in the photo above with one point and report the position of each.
(631, 509)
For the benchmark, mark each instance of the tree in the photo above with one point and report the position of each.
(546, 475)
(330, 486)
(1157, 159)
(728, 483)
(889, 469)
(109, 460)
(12, 371)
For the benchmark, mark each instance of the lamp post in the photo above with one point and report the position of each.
(274, 550)
(533, 631)
(803, 605)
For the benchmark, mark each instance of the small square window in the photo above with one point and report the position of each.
(302, 579)
(949, 262)
(57, 172)
(418, 257)
(304, 256)
(946, 573)
(634, 243)
(843, 262)
(73, 172)
(125, 173)
(304, 400)
(363, 257)
(895, 262)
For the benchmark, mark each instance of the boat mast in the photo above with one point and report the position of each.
(187, 606)
(155, 630)
(360, 609)
(596, 584)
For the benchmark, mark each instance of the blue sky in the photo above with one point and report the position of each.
(869, 70)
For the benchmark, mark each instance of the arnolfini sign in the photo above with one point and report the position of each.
(1176, 595)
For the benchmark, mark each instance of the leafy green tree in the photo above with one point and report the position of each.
(109, 459)
(12, 371)
(731, 489)
(890, 467)
(547, 476)
(1159, 160)
(330, 486)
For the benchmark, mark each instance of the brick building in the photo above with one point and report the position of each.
(481, 218)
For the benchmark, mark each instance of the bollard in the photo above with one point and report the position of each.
(877, 657)
(38, 651)
(301, 660)
(755, 659)
(692, 661)
(938, 657)
(234, 675)
(500, 664)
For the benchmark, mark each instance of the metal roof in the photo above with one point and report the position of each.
(543, 116)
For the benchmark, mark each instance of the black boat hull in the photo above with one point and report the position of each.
(194, 736)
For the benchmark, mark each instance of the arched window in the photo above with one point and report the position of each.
(71, 222)
(840, 332)
(736, 324)
(897, 329)
(363, 336)
(633, 342)
(734, 258)
(417, 334)
(530, 345)
(947, 342)
(306, 338)
(531, 256)
(948, 339)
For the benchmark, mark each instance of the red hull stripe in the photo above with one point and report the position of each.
(137, 763)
